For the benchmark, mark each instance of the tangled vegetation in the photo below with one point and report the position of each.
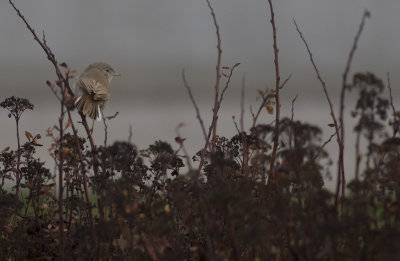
(243, 202)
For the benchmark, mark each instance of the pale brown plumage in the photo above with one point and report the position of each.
(93, 89)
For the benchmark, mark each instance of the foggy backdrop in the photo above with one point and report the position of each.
(150, 41)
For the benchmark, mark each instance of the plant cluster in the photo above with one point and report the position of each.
(258, 195)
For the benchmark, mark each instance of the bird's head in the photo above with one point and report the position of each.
(106, 69)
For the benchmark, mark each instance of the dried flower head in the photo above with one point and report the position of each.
(16, 106)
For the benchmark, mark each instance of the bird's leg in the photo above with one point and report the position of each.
(91, 130)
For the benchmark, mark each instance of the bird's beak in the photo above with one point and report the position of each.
(116, 74)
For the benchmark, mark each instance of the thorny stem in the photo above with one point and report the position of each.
(277, 85)
(215, 117)
(61, 81)
(323, 84)
(85, 186)
(218, 71)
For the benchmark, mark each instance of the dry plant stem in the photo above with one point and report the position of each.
(105, 132)
(264, 102)
(262, 105)
(60, 178)
(215, 117)
(61, 78)
(218, 69)
(395, 118)
(277, 85)
(344, 84)
(106, 127)
(285, 81)
(198, 116)
(323, 84)
(323, 146)
(85, 186)
(61, 81)
(18, 177)
(47, 50)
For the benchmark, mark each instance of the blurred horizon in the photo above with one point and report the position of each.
(150, 42)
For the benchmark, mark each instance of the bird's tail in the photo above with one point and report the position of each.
(88, 106)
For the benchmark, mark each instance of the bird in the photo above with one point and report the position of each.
(93, 90)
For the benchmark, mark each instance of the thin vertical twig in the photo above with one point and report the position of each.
(60, 177)
(198, 116)
(63, 83)
(277, 85)
(215, 116)
(18, 176)
(285, 81)
(366, 14)
(218, 69)
(323, 84)
(84, 177)
(105, 118)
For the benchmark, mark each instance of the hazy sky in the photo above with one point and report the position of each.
(156, 33)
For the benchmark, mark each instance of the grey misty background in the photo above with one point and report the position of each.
(150, 41)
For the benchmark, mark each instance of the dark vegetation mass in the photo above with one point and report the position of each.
(256, 196)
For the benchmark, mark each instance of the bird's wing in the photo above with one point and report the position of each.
(96, 86)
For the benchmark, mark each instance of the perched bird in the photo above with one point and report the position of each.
(93, 90)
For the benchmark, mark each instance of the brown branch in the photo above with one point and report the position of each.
(45, 47)
(218, 68)
(323, 146)
(198, 116)
(215, 116)
(285, 82)
(323, 84)
(342, 93)
(61, 78)
(85, 186)
(262, 105)
(63, 83)
(106, 126)
(277, 85)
